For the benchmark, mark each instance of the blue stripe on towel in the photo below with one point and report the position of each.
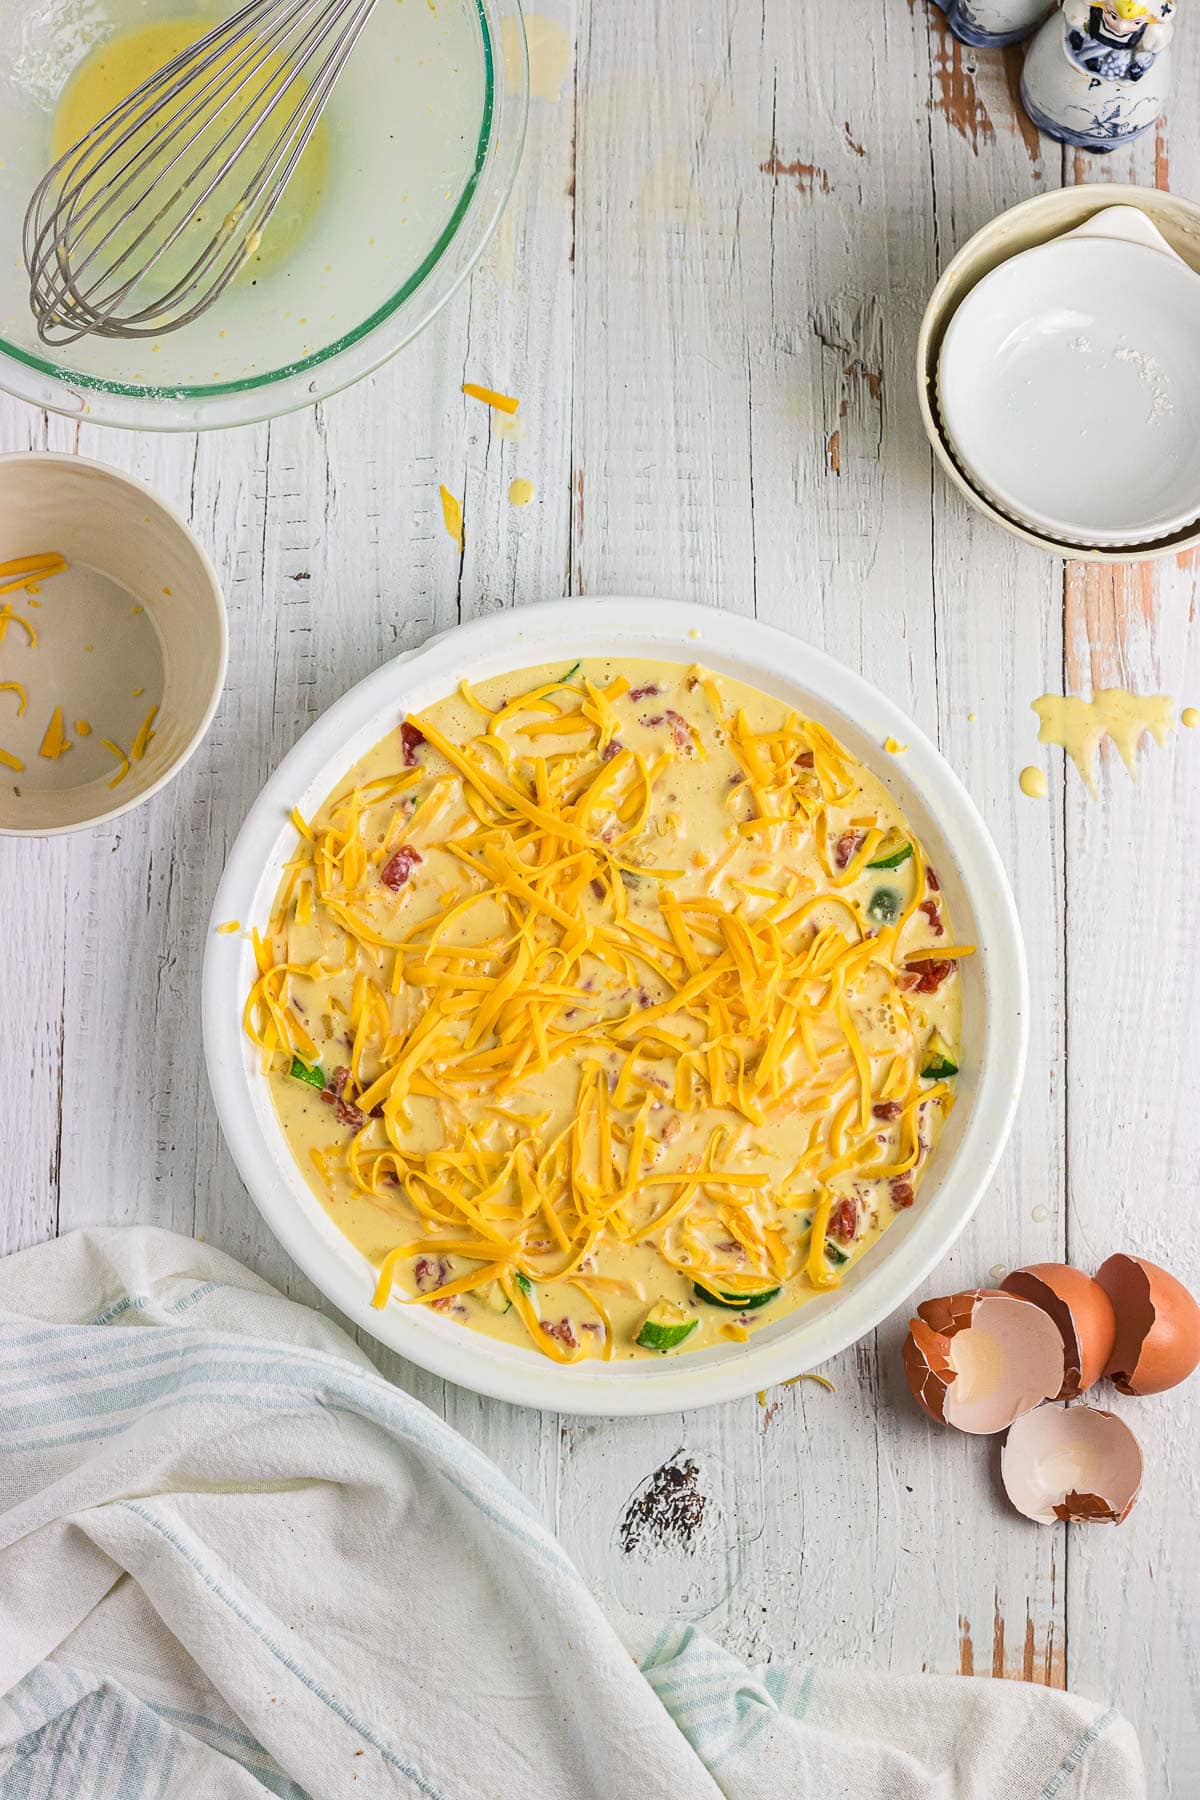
(336, 1706)
(1070, 1763)
(361, 1393)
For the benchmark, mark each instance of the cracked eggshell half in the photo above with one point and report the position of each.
(1076, 1464)
(979, 1360)
(1158, 1326)
(1082, 1312)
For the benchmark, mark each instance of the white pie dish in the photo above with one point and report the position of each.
(994, 999)
(1068, 387)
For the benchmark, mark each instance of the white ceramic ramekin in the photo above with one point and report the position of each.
(1068, 385)
(994, 998)
(1029, 223)
(110, 526)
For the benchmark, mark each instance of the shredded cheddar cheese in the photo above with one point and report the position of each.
(144, 734)
(121, 757)
(9, 617)
(452, 515)
(29, 572)
(548, 1037)
(500, 402)
(54, 741)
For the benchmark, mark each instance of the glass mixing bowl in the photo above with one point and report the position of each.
(424, 133)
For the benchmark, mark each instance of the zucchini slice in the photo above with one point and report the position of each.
(666, 1326)
(939, 1059)
(894, 850)
(736, 1302)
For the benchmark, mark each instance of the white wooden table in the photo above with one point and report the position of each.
(706, 293)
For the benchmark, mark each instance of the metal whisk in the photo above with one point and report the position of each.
(144, 222)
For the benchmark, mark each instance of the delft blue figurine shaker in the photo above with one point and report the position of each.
(1098, 74)
(993, 22)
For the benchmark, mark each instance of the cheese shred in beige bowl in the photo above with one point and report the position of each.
(613, 1010)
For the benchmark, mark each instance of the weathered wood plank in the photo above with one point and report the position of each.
(1132, 1040)
(998, 627)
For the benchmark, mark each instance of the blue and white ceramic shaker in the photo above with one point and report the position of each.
(1099, 74)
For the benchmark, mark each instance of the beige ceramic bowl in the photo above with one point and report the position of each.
(1020, 228)
(135, 621)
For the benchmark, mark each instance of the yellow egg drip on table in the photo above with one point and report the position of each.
(112, 72)
(1079, 726)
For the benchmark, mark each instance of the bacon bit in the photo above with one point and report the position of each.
(396, 871)
(431, 1272)
(806, 760)
(410, 737)
(643, 998)
(611, 749)
(843, 1220)
(925, 978)
(644, 693)
(671, 1129)
(902, 1194)
(731, 1247)
(888, 1109)
(563, 1330)
(931, 880)
(930, 909)
(846, 847)
(597, 887)
(343, 1111)
(650, 720)
(681, 732)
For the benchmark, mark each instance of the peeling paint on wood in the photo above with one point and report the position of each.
(966, 1649)
(1106, 605)
(807, 176)
(956, 96)
(1013, 59)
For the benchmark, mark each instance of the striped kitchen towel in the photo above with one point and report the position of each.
(234, 1561)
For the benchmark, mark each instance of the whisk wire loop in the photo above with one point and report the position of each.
(140, 226)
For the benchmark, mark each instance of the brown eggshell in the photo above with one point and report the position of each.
(980, 1359)
(1158, 1326)
(1076, 1464)
(1083, 1313)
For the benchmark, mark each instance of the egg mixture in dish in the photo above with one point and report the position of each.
(613, 1010)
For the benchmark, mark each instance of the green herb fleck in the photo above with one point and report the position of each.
(315, 1077)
